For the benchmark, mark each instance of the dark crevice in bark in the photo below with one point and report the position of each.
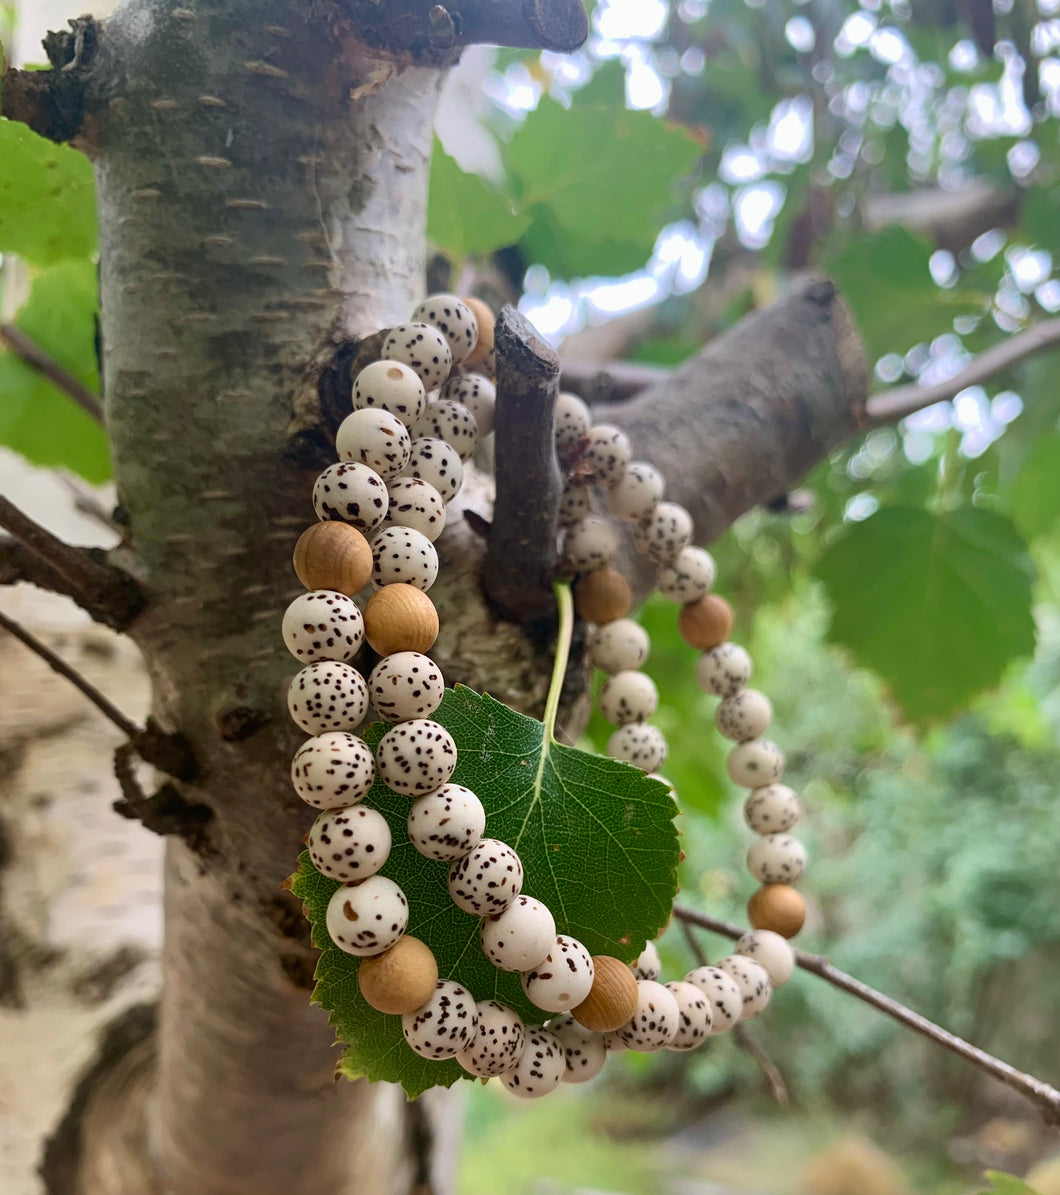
(166, 811)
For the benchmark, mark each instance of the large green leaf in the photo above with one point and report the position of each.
(47, 199)
(1035, 496)
(936, 604)
(465, 214)
(1007, 1184)
(598, 846)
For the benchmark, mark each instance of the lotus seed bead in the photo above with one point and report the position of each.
(656, 1021)
(613, 1042)
(723, 670)
(498, 1043)
(628, 697)
(772, 809)
(478, 394)
(562, 979)
(723, 995)
(695, 1016)
(590, 544)
(541, 1066)
(425, 349)
(368, 917)
(401, 555)
(349, 844)
(664, 534)
(584, 1051)
(690, 577)
(647, 964)
(770, 951)
(375, 438)
(606, 454)
(452, 422)
(351, 493)
(417, 504)
(416, 757)
(327, 696)
(752, 980)
(634, 496)
(323, 625)
(446, 824)
(333, 770)
(520, 937)
(571, 425)
(574, 504)
(391, 386)
(487, 880)
(639, 744)
(744, 716)
(754, 764)
(455, 319)
(776, 859)
(406, 685)
(445, 1025)
(437, 463)
(619, 646)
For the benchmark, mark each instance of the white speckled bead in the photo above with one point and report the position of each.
(437, 463)
(770, 951)
(754, 764)
(487, 879)
(402, 554)
(562, 979)
(349, 844)
(520, 937)
(664, 534)
(744, 716)
(333, 770)
(452, 422)
(478, 394)
(590, 544)
(772, 809)
(541, 1066)
(647, 964)
(323, 625)
(628, 697)
(753, 981)
(613, 1042)
(639, 744)
(695, 1016)
(424, 349)
(723, 670)
(690, 577)
(446, 824)
(416, 757)
(498, 1043)
(776, 859)
(327, 696)
(445, 1025)
(584, 1051)
(606, 455)
(417, 504)
(374, 438)
(619, 646)
(390, 386)
(351, 493)
(454, 318)
(572, 423)
(655, 1023)
(368, 917)
(637, 493)
(406, 685)
(722, 993)
(574, 504)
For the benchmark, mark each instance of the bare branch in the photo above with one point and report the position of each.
(613, 382)
(166, 812)
(53, 103)
(34, 356)
(1046, 1099)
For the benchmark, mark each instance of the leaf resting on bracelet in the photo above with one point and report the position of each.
(598, 846)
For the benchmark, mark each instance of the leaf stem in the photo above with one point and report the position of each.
(564, 635)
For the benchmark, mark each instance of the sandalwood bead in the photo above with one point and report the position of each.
(400, 980)
(705, 623)
(486, 323)
(400, 618)
(333, 555)
(612, 1000)
(777, 907)
(602, 596)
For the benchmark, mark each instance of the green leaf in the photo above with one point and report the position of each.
(1006, 1184)
(36, 418)
(465, 214)
(47, 198)
(936, 604)
(598, 846)
(1035, 497)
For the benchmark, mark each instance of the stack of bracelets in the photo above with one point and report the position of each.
(381, 507)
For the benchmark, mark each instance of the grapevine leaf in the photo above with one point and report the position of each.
(1035, 494)
(1007, 1184)
(465, 214)
(598, 846)
(938, 605)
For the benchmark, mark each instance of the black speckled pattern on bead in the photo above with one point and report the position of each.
(620, 646)
(478, 394)
(374, 438)
(639, 744)
(723, 670)
(723, 994)
(664, 534)
(416, 757)
(454, 319)
(498, 1044)
(752, 980)
(438, 463)
(406, 685)
(743, 716)
(349, 844)
(417, 504)
(776, 859)
(694, 1014)
(452, 422)
(446, 824)
(393, 386)
(590, 544)
(756, 763)
(772, 809)
(424, 349)
(368, 917)
(584, 1051)
(637, 494)
(487, 880)
(628, 696)
(333, 770)
(323, 625)
(445, 1025)
(606, 454)
(541, 1066)
(402, 555)
(574, 504)
(350, 492)
(572, 422)
(656, 1020)
(563, 979)
(690, 577)
(327, 695)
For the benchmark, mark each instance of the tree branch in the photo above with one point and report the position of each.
(34, 356)
(1046, 1099)
(614, 382)
(53, 103)
(166, 812)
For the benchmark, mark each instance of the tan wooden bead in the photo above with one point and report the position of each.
(400, 618)
(612, 1000)
(486, 322)
(333, 555)
(778, 907)
(602, 596)
(400, 980)
(705, 623)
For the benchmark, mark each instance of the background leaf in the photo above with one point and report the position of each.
(465, 214)
(1006, 1184)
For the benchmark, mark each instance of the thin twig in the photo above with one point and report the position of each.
(1045, 1098)
(34, 356)
(613, 382)
(165, 812)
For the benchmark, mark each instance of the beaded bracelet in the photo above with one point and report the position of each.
(381, 507)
